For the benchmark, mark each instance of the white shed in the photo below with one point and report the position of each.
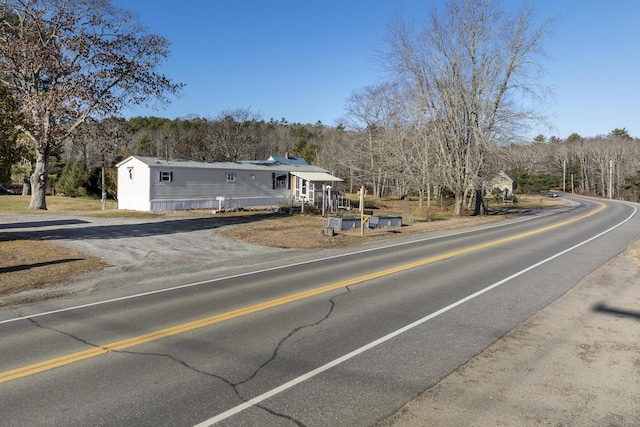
(158, 184)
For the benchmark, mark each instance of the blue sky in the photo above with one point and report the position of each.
(301, 59)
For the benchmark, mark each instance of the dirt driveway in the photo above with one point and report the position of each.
(139, 252)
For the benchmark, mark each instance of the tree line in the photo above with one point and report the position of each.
(453, 110)
(604, 165)
(387, 163)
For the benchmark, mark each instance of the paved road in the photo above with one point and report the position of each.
(574, 363)
(343, 340)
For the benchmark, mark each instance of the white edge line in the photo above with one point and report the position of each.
(266, 270)
(335, 362)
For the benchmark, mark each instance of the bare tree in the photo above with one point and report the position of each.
(468, 67)
(418, 158)
(67, 60)
(337, 155)
(235, 134)
(370, 114)
(335, 147)
(98, 141)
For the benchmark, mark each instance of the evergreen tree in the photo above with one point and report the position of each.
(74, 179)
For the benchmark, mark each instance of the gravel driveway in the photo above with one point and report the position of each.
(139, 251)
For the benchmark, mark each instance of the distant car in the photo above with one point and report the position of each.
(548, 193)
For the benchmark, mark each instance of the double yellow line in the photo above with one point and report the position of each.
(186, 327)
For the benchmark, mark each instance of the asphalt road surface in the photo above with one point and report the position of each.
(317, 339)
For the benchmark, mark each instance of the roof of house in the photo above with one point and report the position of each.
(243, 165)
(316, 176)
(288, 160)
(505, 173)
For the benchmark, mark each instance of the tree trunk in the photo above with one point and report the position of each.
(39, 180)
(480, 207)
(26, 187)
(458, 201)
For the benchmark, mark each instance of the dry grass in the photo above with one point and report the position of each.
(303, 231)
(28, 264)
(20, 204)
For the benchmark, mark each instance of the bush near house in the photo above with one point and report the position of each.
(78, 181)
(533, 183)
(73, 180)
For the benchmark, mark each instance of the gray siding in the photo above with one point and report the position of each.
(208, 184)
(245, 202)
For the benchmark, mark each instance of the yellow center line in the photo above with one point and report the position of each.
(174, 330)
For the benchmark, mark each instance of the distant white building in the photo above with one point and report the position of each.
(504, 182)
(158, 184)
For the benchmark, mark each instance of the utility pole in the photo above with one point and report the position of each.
(610, 179)
(363, 217)
(104, 191)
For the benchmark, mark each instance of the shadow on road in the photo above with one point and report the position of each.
(118, 231)
(35, 224)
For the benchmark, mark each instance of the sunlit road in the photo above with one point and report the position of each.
(343, 340)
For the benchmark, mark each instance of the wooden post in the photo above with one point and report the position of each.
(361, 202)
(104, 190)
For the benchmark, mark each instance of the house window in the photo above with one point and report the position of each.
(166, 176)
(281, 181)
(231, 177)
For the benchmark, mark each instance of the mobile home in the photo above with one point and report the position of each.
(159, 184)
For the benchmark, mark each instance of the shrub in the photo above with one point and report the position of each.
(73, 179)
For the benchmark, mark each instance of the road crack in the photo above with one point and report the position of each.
(234, 385)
